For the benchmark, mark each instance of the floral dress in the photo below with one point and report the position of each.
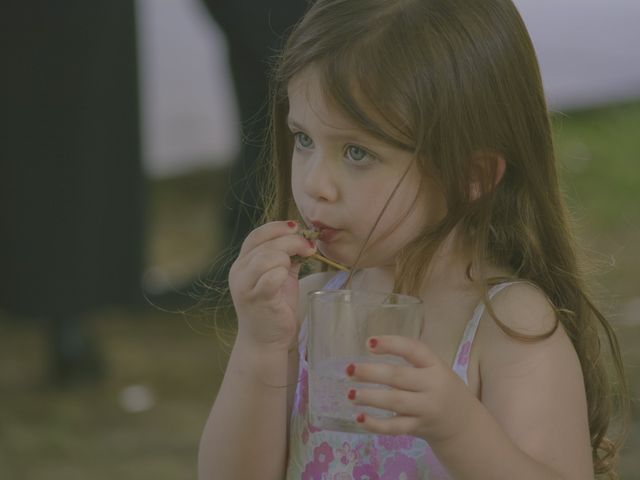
(316, 454)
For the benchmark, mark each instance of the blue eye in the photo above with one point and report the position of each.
(302, 140)
(357, 154)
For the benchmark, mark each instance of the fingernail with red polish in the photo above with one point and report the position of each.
(373, 343)
(360, 418)
(291, 224)
(351, 369)
(352, 395)
(312, 244)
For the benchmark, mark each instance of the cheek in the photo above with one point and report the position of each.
(366, 206)
(395, 226)
(409, 212)
(296, 185)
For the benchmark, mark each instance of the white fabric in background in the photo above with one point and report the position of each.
(188, 106)
(589, 50)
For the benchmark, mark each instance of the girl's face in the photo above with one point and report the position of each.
(342, 177)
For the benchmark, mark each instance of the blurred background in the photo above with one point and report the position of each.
(129, 131)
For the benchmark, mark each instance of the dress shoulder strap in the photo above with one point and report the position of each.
(336, 281)
(461, 360)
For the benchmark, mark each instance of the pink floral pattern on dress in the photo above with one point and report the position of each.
(322, 458)
(463, 358)
(310, 426)
(368, 452)
(315, 471)
(400, 467)
(301, 404)
(372, 457)
(365, 471)
(342, 476)
(346, 454)
(302, 394)
(323, 454)
(399, 442)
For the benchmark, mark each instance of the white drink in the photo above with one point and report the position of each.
(329, 385)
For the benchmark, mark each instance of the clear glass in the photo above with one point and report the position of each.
(340, 322)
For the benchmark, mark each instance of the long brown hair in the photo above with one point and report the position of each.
(450, 79)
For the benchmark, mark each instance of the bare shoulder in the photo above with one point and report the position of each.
(535, 389)
(527, 313)
(524, 308)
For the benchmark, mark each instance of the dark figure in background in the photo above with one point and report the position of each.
(71, 186)
(255, 32)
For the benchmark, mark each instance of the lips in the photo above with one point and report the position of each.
(325, 232)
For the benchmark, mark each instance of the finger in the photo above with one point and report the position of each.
(267, 232)
(270, 282)
(398, 401)
(413, 350)
(279, 252)
(401, 377)
(291, 245)
(396, 425)
(263, 262)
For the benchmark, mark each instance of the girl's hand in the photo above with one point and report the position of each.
(429, 399)
(264, 284)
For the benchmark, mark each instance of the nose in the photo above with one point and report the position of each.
(320, 181)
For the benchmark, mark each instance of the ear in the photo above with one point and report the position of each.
(487, 170)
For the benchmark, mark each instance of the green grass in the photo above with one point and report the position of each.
(599, 156)
(48, 434)
(599, 152)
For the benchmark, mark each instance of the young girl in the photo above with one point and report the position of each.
(413, 136)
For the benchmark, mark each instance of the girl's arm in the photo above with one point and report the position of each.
(531, 419)
(245, 436)
(532, 422)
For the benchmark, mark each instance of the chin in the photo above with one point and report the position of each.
(337, 254)
(348, 258)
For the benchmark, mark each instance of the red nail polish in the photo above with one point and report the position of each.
(373, 342)
(352, 395)
(291, 224)
(360, 418)
(312, 244)
(351, 369)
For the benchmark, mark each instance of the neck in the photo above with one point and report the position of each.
(449, 265)
(447, 271)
